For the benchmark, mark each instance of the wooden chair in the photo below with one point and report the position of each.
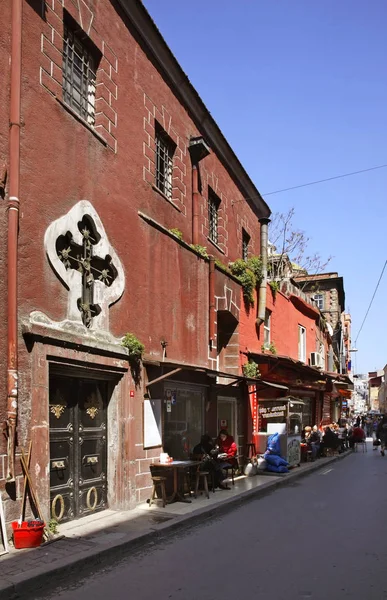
(201, 475)
(251, 451)
(158, 482)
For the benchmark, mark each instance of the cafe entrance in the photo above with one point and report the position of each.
(78, 446)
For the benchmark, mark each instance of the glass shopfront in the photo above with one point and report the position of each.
(183, 419)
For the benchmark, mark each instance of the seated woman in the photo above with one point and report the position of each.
(227, 449)
(207, 453)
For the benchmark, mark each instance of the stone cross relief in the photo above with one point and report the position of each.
(81, 255)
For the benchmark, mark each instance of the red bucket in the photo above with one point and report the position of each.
(27, 535)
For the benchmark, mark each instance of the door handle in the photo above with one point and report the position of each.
(57, 464)
(91, 460)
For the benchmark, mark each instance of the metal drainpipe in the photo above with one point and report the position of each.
(264, 221)
(13, 226)
(195, 204)
(211, 287)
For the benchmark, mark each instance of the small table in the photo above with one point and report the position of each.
(176, 465)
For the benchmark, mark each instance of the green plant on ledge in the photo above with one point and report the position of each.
(177, 233)
(250, 369)
(254, 263)
(222, 266)
(275, 286)
(272, 348)
(202, 250)
(246, 276)
(134, 346)
(135, 351)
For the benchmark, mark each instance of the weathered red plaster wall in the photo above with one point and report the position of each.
(285, 319)
(62, 162)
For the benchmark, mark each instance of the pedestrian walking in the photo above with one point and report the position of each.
(381, 434)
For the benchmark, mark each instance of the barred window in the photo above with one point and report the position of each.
(245, 244)
(213, 215)
(80, 63)
(165, 149)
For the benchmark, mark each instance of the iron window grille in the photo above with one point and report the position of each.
(165, 149)
(80, 61)
(213, 215)
(245, 244)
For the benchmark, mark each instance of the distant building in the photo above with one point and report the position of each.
(327, 291)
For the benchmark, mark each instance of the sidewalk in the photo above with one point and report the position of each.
(102, 539)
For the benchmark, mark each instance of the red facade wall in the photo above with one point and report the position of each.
(62, 162)
(285, 319)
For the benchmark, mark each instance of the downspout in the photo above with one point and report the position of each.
(13, 226)
(264, 222)
(195, 204)
(211, 304)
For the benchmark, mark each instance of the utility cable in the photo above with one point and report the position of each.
(296, 187)
(372, 299)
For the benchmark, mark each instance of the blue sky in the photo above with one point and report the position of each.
(299, 89)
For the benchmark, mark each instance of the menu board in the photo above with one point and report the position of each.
(152, 423)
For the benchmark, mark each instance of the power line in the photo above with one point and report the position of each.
(296, 187)
(372, 299)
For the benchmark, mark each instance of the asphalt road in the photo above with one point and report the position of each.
(324, 537)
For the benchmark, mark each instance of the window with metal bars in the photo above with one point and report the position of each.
(213, 215)
(80, 63)
(245, 244)
(165, 149)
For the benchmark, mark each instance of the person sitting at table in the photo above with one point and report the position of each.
(312, 439)
(357, 436)
(208, 453)
(227, 449)
(330, 440)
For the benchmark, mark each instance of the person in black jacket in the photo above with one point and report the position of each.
(207, 452)
(381, 434)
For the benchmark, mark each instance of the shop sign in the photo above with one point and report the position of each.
(272, 412)
(169, 406)
(254, 407)
(223, 423)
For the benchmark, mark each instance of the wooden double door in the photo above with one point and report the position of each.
(78, 446)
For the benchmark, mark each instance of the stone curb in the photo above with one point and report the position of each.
(45, 579)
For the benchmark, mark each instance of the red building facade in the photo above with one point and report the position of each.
(128, 192)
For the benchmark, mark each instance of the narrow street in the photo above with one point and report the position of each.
(321, 537)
